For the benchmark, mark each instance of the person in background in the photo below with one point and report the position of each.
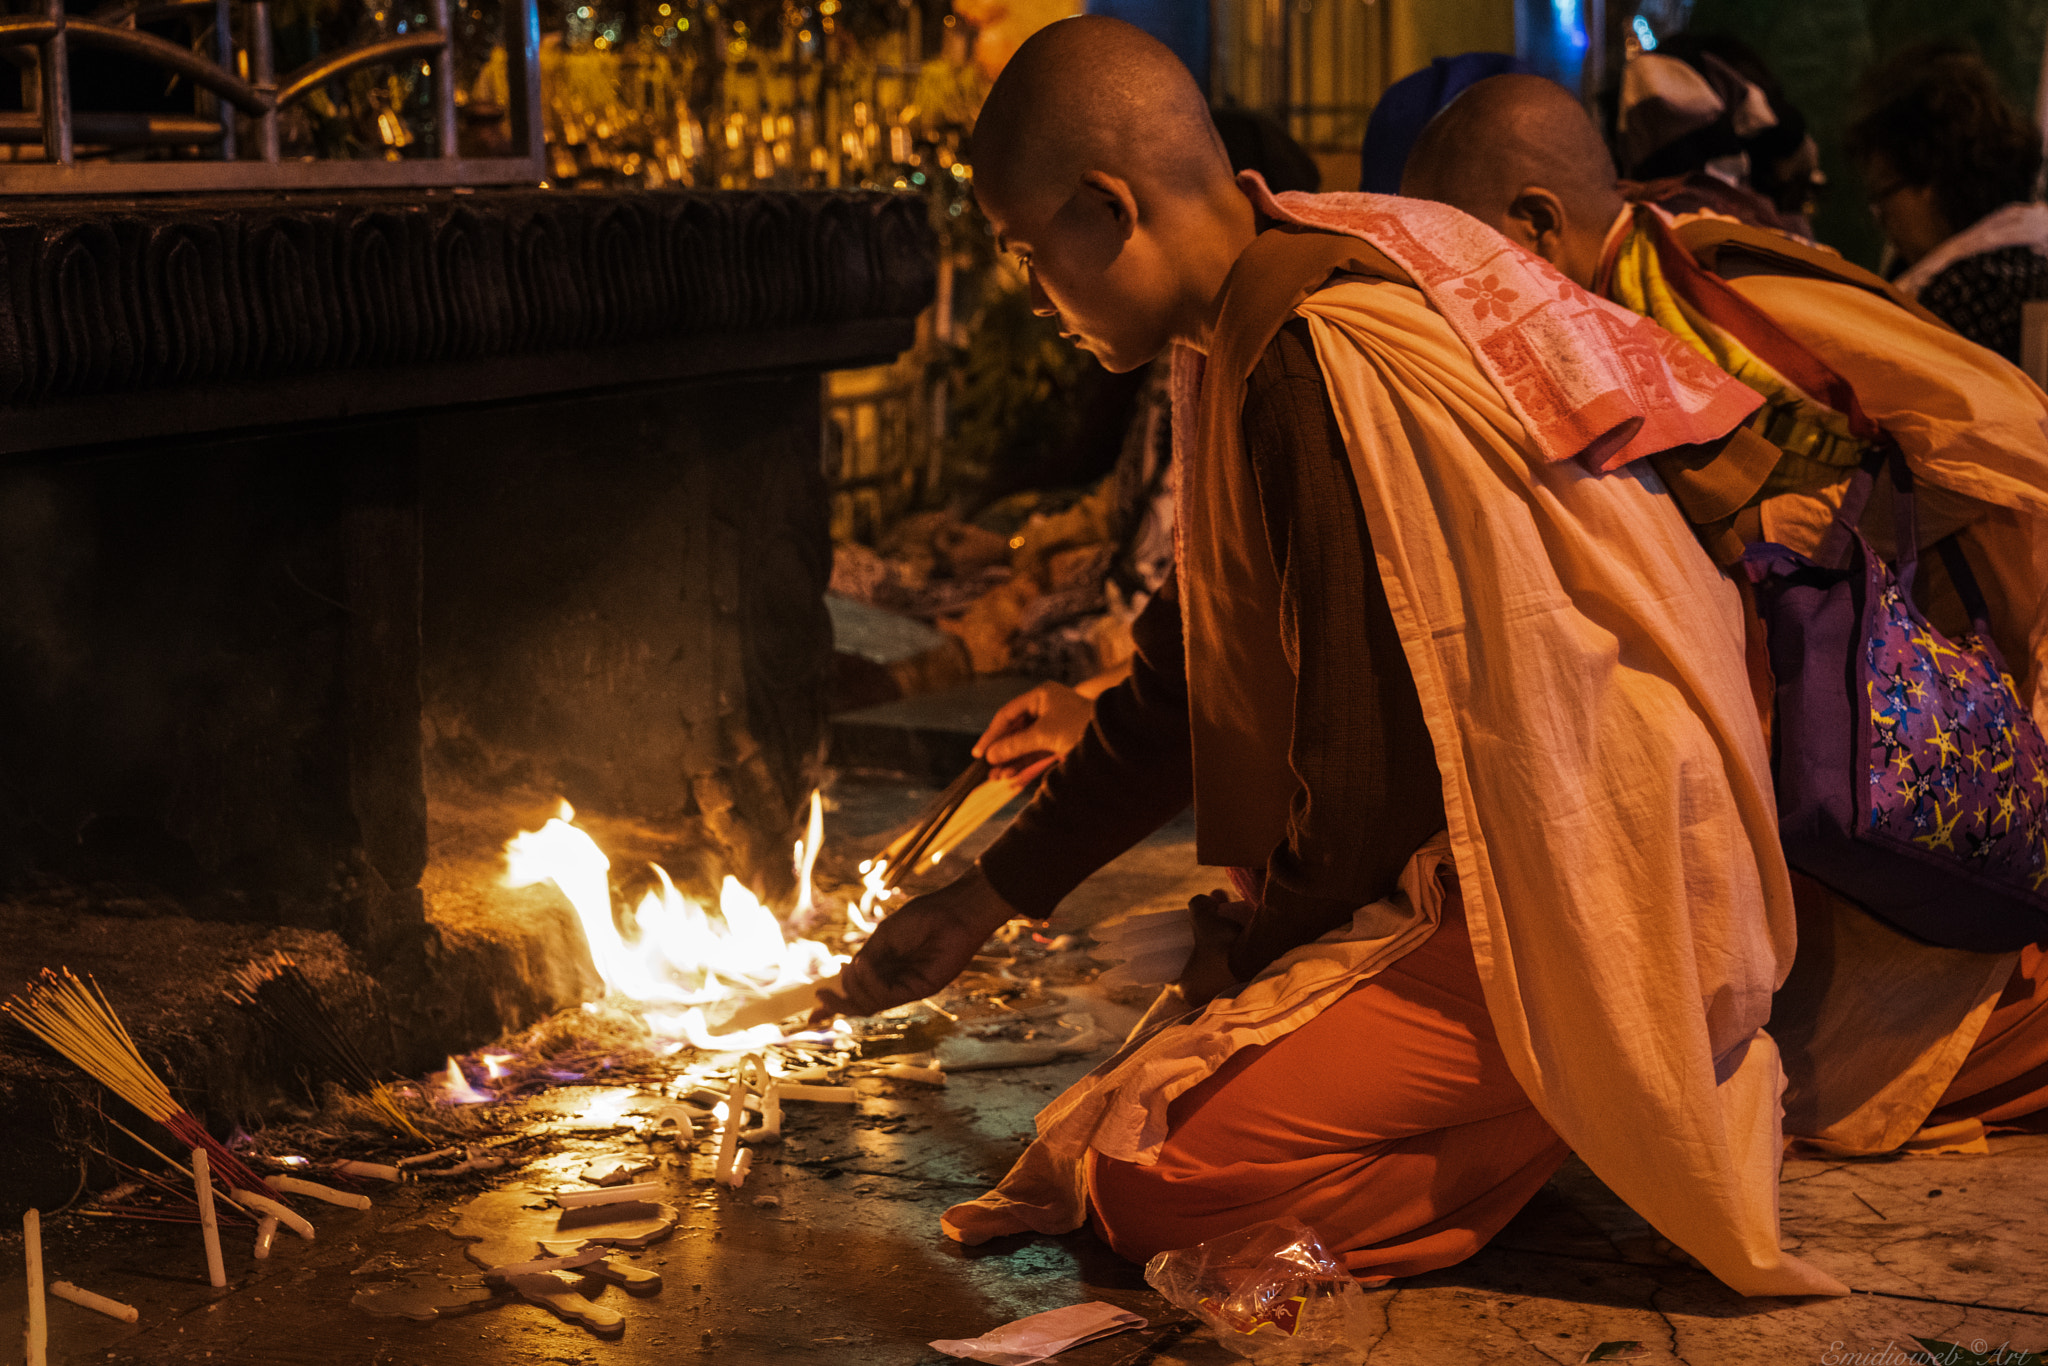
(1952, 168)
(1409, 104)
(1700, 124)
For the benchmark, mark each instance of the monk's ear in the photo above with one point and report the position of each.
(1112, 195)
(1536, 220)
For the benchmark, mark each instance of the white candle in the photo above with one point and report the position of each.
(420, 1159)
(113, 1309)
(568, 1263)
(680, 1116)
(837, 1095)
(266, 1234)
(37, 1335)
(263, 1204)
(610, 1195)
(291, 1185)
(375, 1171)
(209, 1227)
(903, 1071)
(770, 1130)
(729, 1136)
(742, 1164)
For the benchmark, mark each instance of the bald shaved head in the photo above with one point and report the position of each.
(1520, 154)
(1095, 158)
(1092, 93)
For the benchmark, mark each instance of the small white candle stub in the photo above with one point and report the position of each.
(375, 1171)
(263, 1205)
(113, 1309)
(37, 1336)
(266, 1235)
(209, 1226)
(291, 1185)
(833, 1095)
(610, 1195)
(729, 1136)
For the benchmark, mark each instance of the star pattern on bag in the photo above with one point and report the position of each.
(1952, 770)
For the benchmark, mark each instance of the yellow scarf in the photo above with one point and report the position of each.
(1815, 443)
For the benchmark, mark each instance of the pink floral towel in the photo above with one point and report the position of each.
(1587, 378)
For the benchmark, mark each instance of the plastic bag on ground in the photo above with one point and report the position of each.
(1271, 1293)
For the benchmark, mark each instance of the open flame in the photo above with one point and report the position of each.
(452, 1087)
(675, 951)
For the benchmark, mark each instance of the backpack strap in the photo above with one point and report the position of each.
(1842, 530)
(1965, 580)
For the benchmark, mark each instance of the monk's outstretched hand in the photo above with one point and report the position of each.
(918, 950)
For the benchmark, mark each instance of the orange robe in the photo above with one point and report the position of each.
(1581, 666)
(1391, 1122)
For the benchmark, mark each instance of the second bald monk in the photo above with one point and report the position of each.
(1889, 1042)
(1411, 524)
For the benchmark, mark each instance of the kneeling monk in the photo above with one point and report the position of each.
(1888, 1042)
(1456, 695)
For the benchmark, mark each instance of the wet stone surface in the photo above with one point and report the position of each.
(831, 1252)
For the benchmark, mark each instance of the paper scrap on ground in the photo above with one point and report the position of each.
(1043, 1335)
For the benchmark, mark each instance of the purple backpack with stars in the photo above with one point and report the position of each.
(1910, 776)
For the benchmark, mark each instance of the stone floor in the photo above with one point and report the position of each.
(831, 1253)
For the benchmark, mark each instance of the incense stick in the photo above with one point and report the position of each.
(76, 1020)
(932, 821)
(285, 998)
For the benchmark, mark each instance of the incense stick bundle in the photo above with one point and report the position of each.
(75, 1019)
(283, 997)
(903, 855)
(976, 811)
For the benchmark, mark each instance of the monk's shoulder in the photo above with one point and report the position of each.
(1736, 251)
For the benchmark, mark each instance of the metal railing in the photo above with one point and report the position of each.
(229, 65)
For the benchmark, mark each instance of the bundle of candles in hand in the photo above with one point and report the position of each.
(966, 805)
(279, 993)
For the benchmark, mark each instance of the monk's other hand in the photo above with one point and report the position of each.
(1219, 920)
(1034, 731)
(917, 950)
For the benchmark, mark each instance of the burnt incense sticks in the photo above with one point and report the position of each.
(282, 996)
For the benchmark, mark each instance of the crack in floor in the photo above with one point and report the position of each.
(1670, 1326)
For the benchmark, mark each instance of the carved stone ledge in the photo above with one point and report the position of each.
(242, 311)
